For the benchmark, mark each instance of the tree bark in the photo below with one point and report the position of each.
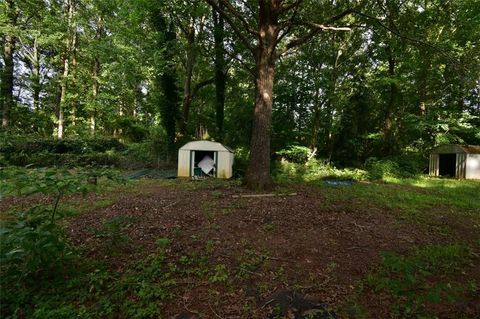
(330, 106)
(63, 92)
(220, 76)
(387, 129)
(93, 114)
(66, 66)
(36, 84)
(258, 172)
(187, 85)
(316, 119)
(6, 98)
(74, 79)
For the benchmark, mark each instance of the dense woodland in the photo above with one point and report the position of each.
(350, 80)
(331, 107)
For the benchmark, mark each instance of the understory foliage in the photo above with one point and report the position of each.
(34, 251)
(44, 276)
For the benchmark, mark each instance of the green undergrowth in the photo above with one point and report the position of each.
(314, 170)
(421, 200)
(427, 276)
(89, 289)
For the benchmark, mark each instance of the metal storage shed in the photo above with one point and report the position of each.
(205, 158)
(459, 161)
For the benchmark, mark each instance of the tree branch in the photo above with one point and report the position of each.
(401, 36)
(293, 5)
(327, 27)
(316, 29)
(227, 18)
(239, 16)
(201, 85)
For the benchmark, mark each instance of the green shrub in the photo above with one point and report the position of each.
(315, 170)
(410, 164)
(32, 246)
(34, 251)
(401, 166)
(41, 152)
(295, 154)
(240, 162)
(381, 169)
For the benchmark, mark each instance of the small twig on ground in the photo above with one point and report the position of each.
(169, 205)
(274, 258)
(251, 272)
(264, 195)
(216, 314)
(189, 310)
(268, 302)
(361, 227)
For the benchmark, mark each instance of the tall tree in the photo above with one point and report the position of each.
(268, 23)
(220, 72)
(66, 59)
(6, 89)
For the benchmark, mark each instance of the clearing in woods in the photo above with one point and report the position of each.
(370, 250)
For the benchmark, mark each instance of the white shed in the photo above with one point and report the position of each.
(205, 158)
(459, 161)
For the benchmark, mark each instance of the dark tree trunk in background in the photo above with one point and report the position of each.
(220, 76)
(330, 106)
(93, 114)
(36, 84)
(63, 92)
(187, 86)
(171, 99)
(258, 172)
(70, 43)
(6, 90)
(74, 100)
(387, 129)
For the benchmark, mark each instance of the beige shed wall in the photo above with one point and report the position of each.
(473, 166)
(183, 163)
(225, 162)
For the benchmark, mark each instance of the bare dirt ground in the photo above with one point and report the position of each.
(300, 245)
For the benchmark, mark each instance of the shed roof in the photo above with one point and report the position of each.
(457, 148)
(205, 146)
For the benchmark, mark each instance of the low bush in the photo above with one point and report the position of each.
(240, 163)
(35, 254)
(402, 166)
(315, 170)
(382, 169)
(295, 154)
(42, 152)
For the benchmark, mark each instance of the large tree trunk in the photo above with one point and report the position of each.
(6, 90)
(220, 76)
(258, 172)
